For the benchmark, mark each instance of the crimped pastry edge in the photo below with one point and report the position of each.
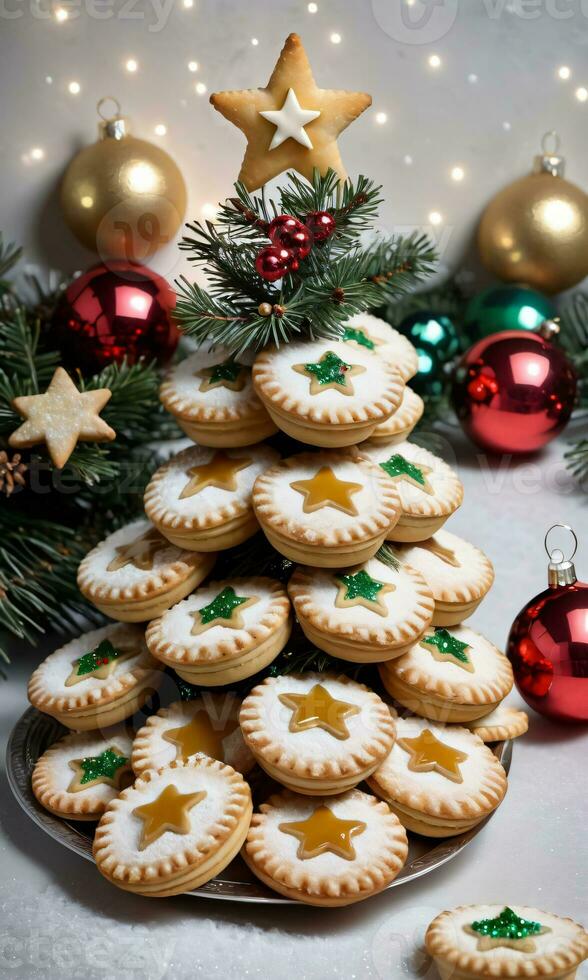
(366, 527)
(272, 393)
(470, 592)
(72, 804)
(164, 868)
(299, 875)
(442, 946)
(185, 407)
(233, 646)
(485, 693)
(428, 505)
(379, 633)
(493, 785)
(115, 687)
(374, 749)
(155, 583)
(499, 733)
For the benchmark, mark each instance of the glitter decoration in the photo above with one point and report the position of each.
(507, 929)
(359, 336)
(448, 648)
(103, 766)
(329, 372)
(317, 709)
(228, 374)
(221, 611)
(102, 656)
(323, 831)
(399, 468)
(360, 589)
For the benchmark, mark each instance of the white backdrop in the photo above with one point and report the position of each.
(484, 108)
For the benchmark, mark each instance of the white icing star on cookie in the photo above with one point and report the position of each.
(290, 121)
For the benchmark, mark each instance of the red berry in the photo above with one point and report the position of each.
(273, 262)
(291, 234)
(320, 224)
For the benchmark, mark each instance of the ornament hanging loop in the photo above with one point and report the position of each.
(561, 570)
(114, 126)
(550, 160)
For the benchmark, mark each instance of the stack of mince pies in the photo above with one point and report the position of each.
(343, 770)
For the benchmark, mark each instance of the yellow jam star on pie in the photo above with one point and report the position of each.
(290, 124)
(428, 754)
(169, 811)
(325, 489)
(61, 417)
(323, 831)
(446, 555)
(200, 735)
(317, 709)
(220, 472)
(139, 553)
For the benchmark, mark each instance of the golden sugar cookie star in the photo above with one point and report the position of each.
(139, 553)
(325, 489)
(323, 831)
(290, 124)
(329, 373)
(428, 754)
(61, 417)
(200, 735)
(317, 709)
(169, 811)
(220, 472)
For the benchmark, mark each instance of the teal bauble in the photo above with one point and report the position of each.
(436, 341)
(506, 308)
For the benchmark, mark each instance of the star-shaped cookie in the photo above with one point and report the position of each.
(323, 831)
(318, 709)
(139, 552)
(329, 373)
(61, 417)
(360, 589)
(200, 735)
(325, 489)
(290, 124)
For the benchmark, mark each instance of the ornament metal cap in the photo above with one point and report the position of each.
(561, 570)
(549, 160)
(549, 329)
(113, 127)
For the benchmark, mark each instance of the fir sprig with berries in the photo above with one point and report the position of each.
(296, 267)
(49, 518)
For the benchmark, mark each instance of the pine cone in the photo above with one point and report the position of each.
(11, 472)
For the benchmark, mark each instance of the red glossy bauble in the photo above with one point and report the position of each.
(112, 312)
(548, 650)
(321, 225)
(273, 262)
(513, 392)
(290, 233)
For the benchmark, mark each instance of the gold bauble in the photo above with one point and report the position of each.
(123, 197)
(535, 231)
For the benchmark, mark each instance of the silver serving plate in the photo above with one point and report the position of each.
(35, 732)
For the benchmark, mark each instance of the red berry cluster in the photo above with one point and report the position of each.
(291, 241)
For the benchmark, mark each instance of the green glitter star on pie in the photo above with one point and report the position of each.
(105, 766)
(448, 649)
(507, 929)
(359, 336)
(229, 374)
(222, 611)
(329, 372)
(399, 468)
(360, 589)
